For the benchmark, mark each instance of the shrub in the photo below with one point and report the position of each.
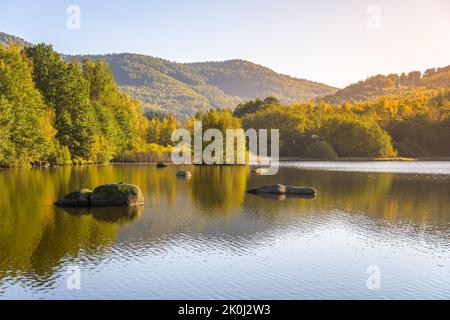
(320, 149)
(60, 156)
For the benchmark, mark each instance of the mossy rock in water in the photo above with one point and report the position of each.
(117, 194)
(78, 198)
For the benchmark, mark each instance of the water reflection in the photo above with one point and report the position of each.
(211, 208)
(283, 197)
(119, 215)
(221, 189)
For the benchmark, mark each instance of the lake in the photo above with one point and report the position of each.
(205, 238)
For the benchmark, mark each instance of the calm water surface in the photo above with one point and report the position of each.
(204, 238)
(425, 167)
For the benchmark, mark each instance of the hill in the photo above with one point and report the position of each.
(404, 85)
(7, 39)
(248, 80)
(183, 89)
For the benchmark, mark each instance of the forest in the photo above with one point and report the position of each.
(54, 112)
(384, 127)
(57, 112)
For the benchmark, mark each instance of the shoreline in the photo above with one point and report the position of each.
(282, 160)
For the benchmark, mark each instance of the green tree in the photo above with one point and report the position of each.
(320, 149)
(353, 137)
(160, 130)
(221, 120)
(25, 129)
(294, 127)
(67, 92)
(218, 119)
(122, 126)
(254, 106)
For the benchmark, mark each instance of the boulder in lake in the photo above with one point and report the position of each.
(184, 174)
(78, 198)
(279, 189)
(161, 165)
(270, 189)
(305, 191)
(117, 194)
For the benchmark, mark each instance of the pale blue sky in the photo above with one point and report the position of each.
(326, 41)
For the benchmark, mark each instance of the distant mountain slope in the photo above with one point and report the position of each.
(248, 80)
(183, 89)
(404, 85)
(7, 39)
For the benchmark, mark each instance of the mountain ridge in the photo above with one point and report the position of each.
(186, 88)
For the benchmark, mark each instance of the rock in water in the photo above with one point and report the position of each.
(117, 194)
(279, 189)
(161, 165)
(184, 174)
(307, 191)
(78, 198)
(270, 189)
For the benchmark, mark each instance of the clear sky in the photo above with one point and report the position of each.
(335, 42)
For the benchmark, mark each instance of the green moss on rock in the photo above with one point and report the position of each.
(78, 198)
(117, 194)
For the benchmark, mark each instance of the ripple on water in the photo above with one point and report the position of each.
(205, 238)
